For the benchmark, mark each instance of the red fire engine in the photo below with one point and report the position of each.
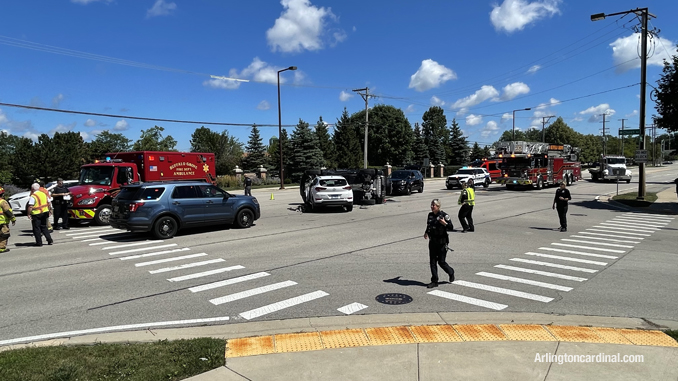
(537, 164)
(100, 182)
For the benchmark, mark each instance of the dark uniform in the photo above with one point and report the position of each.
(437, 245)
(248, 186)
(60, 207)
(561, 206)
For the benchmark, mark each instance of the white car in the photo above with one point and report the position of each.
(480, 177)
(19, 202)
(329, 191)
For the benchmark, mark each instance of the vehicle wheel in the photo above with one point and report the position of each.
(244, 219)
(421, 189)
(102, 215)
(628, 181)
(449, 187)
(348, 208)
(379, 200)
(539, 184)
(370, 201)
(486, 184)
(409, 190)
(165, 227)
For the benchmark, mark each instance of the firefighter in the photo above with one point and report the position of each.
(6, 215)
(39, 210)
(437, 225)
(560, 202)
(467, 199)
(49, 200)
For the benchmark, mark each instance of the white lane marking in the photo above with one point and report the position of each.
(131, 244)
(186, 266)
(524, 281)
(108, 241)
(650, 215)
(544, 273)
(142, 249)
(89, 230)
(206, 273)
(597, 243)
(128, 327)
(637, 221)
(616, 232)
(609, 235)
(141, 264)
(251, 292)
(282, 305)
(602, 239)
(589, 248)
(624, 229)
(579, 253)
(351, 308)
(642, 227)
(505, 291)
(468, 300)
(91, 235)
(567, 258)
(227, 282)
(629, 227)
(549, 264)
(91, 239)
(153, 254)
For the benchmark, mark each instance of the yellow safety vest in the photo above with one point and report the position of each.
(41, 203)
(4, 220)
(470, 197)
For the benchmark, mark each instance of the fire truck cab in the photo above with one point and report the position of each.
(538, 165)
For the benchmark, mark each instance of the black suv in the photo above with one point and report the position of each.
(404, 181)
(164, 208)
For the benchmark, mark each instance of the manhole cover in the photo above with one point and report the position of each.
(393, 298)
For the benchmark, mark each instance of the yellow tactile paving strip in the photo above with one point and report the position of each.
(362, 337)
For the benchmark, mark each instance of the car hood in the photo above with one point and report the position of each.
(20, 195)
(459, 176)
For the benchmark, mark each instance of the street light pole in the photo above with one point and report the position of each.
(514, 121)
(280, 142)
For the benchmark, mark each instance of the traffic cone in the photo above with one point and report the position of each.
(272, 198)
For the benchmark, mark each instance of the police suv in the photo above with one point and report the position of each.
(480, 176)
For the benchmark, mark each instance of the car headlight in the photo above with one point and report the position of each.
(605, 172)
(95, 190)
(87, 201)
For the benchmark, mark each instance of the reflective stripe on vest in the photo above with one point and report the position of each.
(40, 205)
(3, 218)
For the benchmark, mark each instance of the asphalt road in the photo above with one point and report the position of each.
(294, 265)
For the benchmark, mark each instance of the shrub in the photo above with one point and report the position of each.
(11, 190)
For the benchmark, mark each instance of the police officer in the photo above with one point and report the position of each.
(560, 203)
(467, 199)
(437, 225)
(6, 215)
(60, 204)
(248, 186)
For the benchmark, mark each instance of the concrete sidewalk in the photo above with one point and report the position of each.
(666, 203)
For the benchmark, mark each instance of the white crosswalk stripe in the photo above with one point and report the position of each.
(543, 273)
(468, 300)
(265, 310)
(228, 282)
(637, 221)
(524, 281)
(252, 292)
(556, 265)
(351, 308)
(154, 254)
(650, 215)
(500, 290)
(187, 266)
(567, 258)
(89, 231)
(130, 245)
(593, 242)
(589, 234)
(589, 248)
(205, 273)
(602, 239)
(611, 225)
(109, 242)
(173, 259)
(578, 253)
(618, 232)
(142, 249)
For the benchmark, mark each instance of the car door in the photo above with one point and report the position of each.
(218, 204)
(187, 202)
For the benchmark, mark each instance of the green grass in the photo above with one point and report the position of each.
(162, 360)
(630, 199)
(672, 333)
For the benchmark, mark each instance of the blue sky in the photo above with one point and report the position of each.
(479, 60)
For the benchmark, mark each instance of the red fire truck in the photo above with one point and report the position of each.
(493, 166)
(100, 182)
(537, 164)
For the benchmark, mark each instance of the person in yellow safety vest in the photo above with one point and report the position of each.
(49, 199)
(6, 215)
(39, 210)
(467, 199)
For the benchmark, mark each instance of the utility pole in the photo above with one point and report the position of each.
(604, 137)
(544, 120)
(622, 137)
(366, 97)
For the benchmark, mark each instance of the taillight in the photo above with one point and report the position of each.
(320, 189)
(135, 205)
(348, 187)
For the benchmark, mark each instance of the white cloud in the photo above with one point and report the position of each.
(435, 101)
(474, 120)
(533, 69)
(263, 105)
(513, 90)
(258, 71)
(634, 113)
(490, 129)
(410, 109)
(301, 26)
(577, 119)
(31, 135)
(90, 123)
(430, 75)
(597, 111)
(56, 101)
(3, 117)
(121, 125)
(344, 96)
(486, 92)
(85, 2)
(513, 15)
(161, 8)
(627, 48)
(85, 136)
(506, 117)
(552, 102)
(61, 128)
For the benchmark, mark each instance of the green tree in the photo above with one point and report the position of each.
(560, 133)
(325, 143)
(477, 153)
(255, 151)
(507, 136)
(24, 162)
(349, 153)
(305, 151)
(420, 151)
(591, 147)
(227, 149)
(152, 140)
(457, 151)
(434, 131)
(667, 97)
(486, 152)
(389, 136)
(105, 142)
(533, 135)
(8, 144)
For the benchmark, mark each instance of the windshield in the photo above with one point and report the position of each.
(616, 160)
(96, 175)
(466, 172)
(517, 163)
(400, 174)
